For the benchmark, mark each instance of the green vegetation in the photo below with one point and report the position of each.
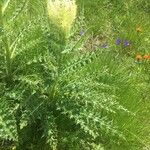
(74, 84)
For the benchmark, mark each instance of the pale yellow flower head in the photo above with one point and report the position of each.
(62, 13)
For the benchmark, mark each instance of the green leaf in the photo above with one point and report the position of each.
(8, 128)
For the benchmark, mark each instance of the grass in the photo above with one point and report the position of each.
(121, 19)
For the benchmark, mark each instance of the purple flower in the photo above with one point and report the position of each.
(126, 43)
(81, 33)
(105, 45)
(118, 41)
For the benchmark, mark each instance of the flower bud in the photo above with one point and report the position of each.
(62, 13)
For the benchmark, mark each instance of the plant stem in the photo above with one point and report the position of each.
(6, 46)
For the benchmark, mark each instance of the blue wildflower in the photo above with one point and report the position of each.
(126, 43)
(118, 41)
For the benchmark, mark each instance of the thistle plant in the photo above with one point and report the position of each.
(49, 102)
